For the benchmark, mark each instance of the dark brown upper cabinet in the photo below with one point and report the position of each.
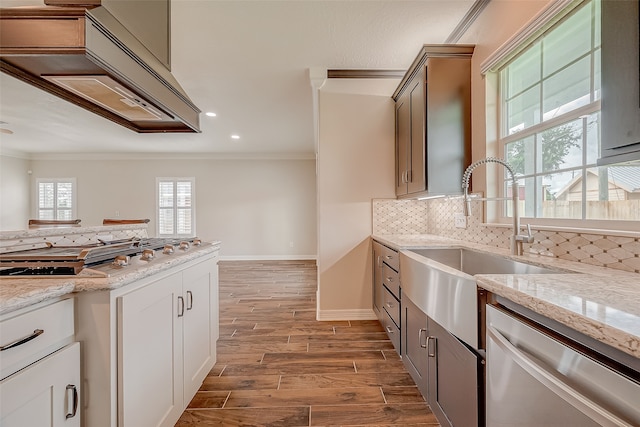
(620, 134)
(433, 122)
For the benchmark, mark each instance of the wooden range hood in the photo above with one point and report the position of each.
(83, 54)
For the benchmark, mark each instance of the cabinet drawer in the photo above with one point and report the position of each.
(392, 306)
(392, 330)
(56, 322)
(391, 280)
(388, 255)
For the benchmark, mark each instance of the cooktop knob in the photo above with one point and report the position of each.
(148, 255)
(121, 260)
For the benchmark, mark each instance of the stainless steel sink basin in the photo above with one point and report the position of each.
(472, 262)
(440, 282)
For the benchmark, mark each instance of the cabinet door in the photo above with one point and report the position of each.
(403, 143)
(414, 347)
(45, 393)
(150, 383)
(620, 81)
(417, 172)
(453, 378)
(198, 334)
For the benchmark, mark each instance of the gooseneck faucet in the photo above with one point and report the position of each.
(516, 239)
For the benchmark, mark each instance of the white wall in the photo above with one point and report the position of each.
(259, 209)
(355, 164)
(14, 192)
(497, 23)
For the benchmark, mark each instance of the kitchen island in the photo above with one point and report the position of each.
(147, 329)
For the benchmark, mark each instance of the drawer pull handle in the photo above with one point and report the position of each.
(389, 330)
(389, 304)
(388, 256)
(390, 279)
(74, 411)
(24, 340)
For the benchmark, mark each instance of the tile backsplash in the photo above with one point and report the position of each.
(435, 216)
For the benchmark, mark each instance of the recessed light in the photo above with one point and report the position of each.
(211, 114)
(235, 136)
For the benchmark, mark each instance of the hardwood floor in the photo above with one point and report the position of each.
(278, 366)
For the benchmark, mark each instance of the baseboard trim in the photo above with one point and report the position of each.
(269, 258)
(366, 314)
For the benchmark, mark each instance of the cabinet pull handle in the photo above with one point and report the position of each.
(389, 330)
(74, 410)
(435, 342)
(409, 176)
(390, 279)
(420, 338)
(180, 306)
(189, 300)
(389, 304)
(36, 333)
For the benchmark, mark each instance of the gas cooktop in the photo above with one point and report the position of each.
(49, 260)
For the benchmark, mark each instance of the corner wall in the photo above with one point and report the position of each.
(355, 164)
(14, 192)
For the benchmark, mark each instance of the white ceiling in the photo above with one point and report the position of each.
(248, 62)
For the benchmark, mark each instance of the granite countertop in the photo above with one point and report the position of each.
(16, 293)
(599, 302)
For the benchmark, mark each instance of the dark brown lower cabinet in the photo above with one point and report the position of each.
(414, 344)
(455, 379)
(446, 371)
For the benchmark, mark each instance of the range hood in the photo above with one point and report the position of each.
(86, 56)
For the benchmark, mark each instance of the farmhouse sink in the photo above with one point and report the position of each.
(472, 262)
(441, 282)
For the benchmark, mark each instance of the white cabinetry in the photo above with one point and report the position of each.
(149, 345)
(150, 342)
(44, 393)
(167, 346)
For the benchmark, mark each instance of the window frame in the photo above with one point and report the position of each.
(493, 67)
(175, 208)
(55, 209)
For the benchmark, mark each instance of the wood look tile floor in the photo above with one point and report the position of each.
(278, 366)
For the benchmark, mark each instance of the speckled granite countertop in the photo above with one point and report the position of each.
(16, 293)
(601, 303)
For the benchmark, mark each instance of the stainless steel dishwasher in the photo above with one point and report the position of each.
(535, 380)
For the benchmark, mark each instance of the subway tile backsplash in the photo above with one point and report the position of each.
(436, 216)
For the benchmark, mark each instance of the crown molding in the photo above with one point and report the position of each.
(365, 74)
(171, 156)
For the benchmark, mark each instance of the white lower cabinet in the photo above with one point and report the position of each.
(40, 366)
(165, 344)
(149, 345)
(44, 394)
(150, 354)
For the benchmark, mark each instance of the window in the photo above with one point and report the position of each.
(176, 210)
(550, 127)
(56, 198)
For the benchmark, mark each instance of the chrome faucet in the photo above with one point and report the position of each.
(516, 239)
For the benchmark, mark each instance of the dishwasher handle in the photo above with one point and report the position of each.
(554, 383)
